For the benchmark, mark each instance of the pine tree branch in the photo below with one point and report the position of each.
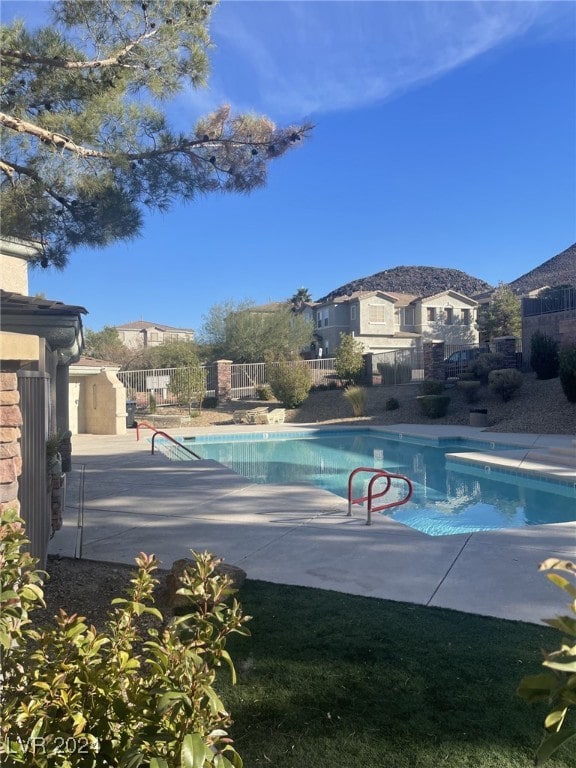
(63, 142)
(58, 63)
(9, 169)
(48, 137)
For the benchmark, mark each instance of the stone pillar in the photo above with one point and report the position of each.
(371, 375)
(433, 353)
(506, 345)
(10, 452)
(223, 380)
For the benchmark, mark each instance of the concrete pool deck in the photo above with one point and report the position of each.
(297, 534)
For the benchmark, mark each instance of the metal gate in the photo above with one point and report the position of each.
(33, 494)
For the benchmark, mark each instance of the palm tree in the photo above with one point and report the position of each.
(302, 296)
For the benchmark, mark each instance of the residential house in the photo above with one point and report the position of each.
(143, 333)
(384, 320)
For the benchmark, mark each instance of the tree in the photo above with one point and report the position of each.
(189, 386)
(172, 354)
(302, 296)
(106, 345)
(86, 145)
(349, 361)
(213, 334)
(502, 317)
(246, 333)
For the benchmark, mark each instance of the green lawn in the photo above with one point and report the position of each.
(336, 681)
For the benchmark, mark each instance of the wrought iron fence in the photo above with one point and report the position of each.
(399, 366)
(152, 386)
(555, 300)
(248, 377)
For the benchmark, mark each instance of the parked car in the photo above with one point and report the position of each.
(458, 361)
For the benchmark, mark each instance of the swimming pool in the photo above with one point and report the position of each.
(448, 498)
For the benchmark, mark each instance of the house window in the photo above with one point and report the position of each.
(153, 336)
(319, 320)
(408, 315)
(431, 314)
(466, 316)
(377, 313)
(448, 315)
(353, 311)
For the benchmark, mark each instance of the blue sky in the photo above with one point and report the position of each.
(445, 136)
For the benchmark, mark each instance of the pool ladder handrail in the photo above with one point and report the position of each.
(377, 474)
(163, 434)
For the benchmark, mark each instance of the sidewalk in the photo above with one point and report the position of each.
(296, 534)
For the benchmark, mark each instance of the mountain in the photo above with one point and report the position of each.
(419, 281)
(559, 270)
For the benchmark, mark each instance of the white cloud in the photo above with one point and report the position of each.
(306, 58)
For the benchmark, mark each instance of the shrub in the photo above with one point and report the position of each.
(484, 363)
(505, 382)
(264, 393)
(431, 387)
(399, 373)
(433, 406)
(556, 685)
(356, 396)
(134, 694)
(290, 381)
(470, 390)
(544, 356)
(391, 404)
(152, 403)
(210, 402)
(567, 371)
(349, 360)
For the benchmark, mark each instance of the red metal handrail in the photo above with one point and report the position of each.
(143, 424)
(377, 474)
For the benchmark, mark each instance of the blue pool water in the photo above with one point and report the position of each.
(449, 497)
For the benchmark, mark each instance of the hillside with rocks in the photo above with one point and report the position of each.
(559, 270)
(419, 281)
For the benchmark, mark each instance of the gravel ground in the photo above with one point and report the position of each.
(540, 407)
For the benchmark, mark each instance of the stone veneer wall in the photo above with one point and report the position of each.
(433, 352)
(223, 380)
(558, 325)
(10, 453)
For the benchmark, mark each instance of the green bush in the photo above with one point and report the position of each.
(567, 371)
(138, 693)
(484, 363)
(152, 401)
(432, 387)
(399, 373)
(349, 360)
(356, 396)
(290, 381)
(544, 356)
(391, 404)
(470, 390)
(433, 406)
(505, 382)
(264, 393)
(556, 685)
